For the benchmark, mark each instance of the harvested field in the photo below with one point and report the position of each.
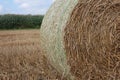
(20, 55)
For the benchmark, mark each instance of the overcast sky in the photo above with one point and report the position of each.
(24, 6)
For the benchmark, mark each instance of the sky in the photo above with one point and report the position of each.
(25, 6)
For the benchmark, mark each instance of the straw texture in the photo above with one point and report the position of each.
(82, 38)
(53, 36)
(92, 40)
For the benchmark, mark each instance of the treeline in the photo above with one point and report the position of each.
(12, 21)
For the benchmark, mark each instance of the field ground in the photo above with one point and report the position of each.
(20, 55)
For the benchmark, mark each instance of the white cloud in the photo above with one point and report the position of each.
(53, 0)
(31, 2)
(17, 1)
(34, 6)
(1, 8)
(24, 5)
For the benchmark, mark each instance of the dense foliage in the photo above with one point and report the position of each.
(12, 21)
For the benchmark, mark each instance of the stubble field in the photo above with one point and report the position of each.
(20, 55)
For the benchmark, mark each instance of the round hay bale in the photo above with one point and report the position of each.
(81, 39)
